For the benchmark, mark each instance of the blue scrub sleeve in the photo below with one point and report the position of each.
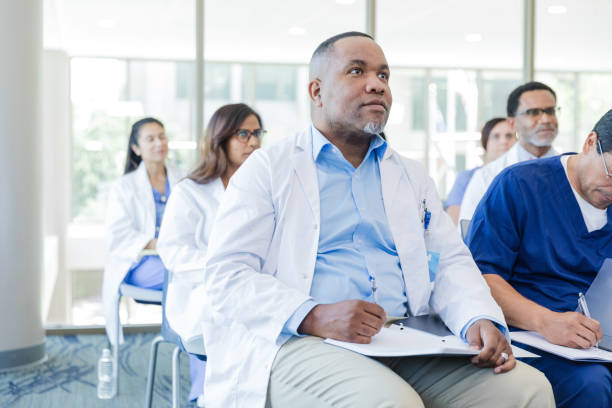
(494, 236)
(292, 325)
(458, 191)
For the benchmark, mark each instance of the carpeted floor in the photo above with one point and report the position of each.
(69, 377)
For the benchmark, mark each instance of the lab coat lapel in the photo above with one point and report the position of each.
(390, 174)
(306, 171)
(512, 156)
(174, 176)
(402, 209)
(144, 192)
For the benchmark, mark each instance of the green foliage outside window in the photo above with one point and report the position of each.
(98, 156)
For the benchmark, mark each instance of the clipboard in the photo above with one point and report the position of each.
(416, 336)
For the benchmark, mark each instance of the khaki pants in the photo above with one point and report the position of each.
(310, 373)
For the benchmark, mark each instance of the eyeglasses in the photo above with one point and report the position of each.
(244, 135)
(603, 160)
(537, 112)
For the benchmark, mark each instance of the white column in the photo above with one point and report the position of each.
(22, 338)
(56, 162)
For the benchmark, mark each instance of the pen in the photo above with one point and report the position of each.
(374, 288)
(585, 309)
(583, 305)
(426, 216)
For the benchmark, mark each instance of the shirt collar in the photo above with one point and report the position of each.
(319, 141)
(524, 155)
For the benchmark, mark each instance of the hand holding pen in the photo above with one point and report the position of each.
(582, 303)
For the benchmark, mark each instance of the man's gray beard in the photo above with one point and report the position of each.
(374, 128)
(537, 142)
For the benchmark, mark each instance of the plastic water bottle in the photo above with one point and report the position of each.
(106, 380)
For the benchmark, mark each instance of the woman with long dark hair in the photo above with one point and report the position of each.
(135, 209)
(233, 133)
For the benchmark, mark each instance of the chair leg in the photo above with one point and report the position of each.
(176, 378)
(151, 374)
(115, 347)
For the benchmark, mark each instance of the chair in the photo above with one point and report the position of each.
(170, 336)
(464, 224)
(142, 295)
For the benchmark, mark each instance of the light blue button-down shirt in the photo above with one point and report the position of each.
(356, 248)
(355, 242)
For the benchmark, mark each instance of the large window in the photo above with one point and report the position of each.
(461, 66)
(573, 57)
(108, 95)
(453, 64)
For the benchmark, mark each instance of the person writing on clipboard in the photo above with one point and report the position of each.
(321, 236)
(540, 236)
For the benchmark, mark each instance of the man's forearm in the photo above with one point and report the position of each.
(518, 310)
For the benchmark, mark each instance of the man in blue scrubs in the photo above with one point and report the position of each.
(539, 237)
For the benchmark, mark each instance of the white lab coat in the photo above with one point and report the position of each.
(482, 178)
(130, 225)
(262, 253)
(182, 246)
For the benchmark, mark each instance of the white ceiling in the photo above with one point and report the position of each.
(412, 33)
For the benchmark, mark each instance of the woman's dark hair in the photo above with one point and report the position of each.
(212, 155)
(603, 128)
(133, 160)
(486, 130)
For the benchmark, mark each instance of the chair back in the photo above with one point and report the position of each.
(166, 331)
(464, 224)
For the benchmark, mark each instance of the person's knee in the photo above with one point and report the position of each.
(530, 388)
(386, 391)
(541, 390)
(594, 384)
(402, 396)
(383, 392)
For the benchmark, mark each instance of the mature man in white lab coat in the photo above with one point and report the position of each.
(327, 233)
(532, 112)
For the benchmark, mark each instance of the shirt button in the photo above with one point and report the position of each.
(316, 226)
(163, 199)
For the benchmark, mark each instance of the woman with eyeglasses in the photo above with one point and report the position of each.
(135, 209)
(233, 133)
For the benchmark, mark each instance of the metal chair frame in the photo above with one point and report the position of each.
(170, 336)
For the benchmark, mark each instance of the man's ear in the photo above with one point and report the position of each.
(314, 91)
(512, 122)
(590, 144)
(135, 149)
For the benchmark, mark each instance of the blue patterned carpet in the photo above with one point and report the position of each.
(69, 377)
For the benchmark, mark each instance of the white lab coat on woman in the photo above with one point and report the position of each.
(130, 225)
(483, 177)
(262, 253)
(182, 245)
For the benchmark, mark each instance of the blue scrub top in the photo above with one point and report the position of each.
(529, 229)
(148, 272)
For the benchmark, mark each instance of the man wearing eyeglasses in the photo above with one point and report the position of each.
(540, 241)
(532, 111)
